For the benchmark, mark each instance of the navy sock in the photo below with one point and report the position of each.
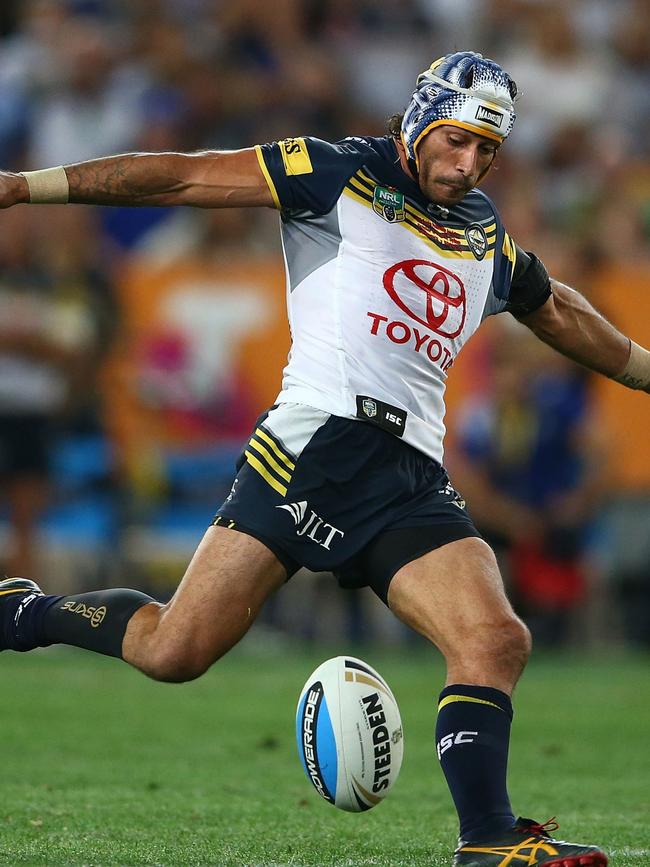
(23, 618)
(95, 621)
(472, 737)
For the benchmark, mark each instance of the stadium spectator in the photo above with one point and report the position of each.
(94, 106)
(532, 464)
(54, 324)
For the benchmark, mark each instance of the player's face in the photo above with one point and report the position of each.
(451, 161)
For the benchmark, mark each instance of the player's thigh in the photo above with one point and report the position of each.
(454, 596)
(226, 583)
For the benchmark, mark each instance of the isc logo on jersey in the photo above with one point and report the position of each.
(349, 734)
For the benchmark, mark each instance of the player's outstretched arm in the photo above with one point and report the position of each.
(210, 179)
(569, 323)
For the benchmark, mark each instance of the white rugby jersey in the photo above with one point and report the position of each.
(384, 288)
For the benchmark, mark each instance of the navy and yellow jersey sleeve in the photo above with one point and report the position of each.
(308, 174)
(520, 281)
(530, 287)
(505, 257)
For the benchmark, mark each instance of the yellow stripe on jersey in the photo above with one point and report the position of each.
(447, 252)
(350, 191)
(360, 188)
(266, 475)
(452, 698)
(267, 439)
(267, 177)
(15, 590)
(463, 253)
(490, 230)
(365, 186)
(365, 179)
(510, 252)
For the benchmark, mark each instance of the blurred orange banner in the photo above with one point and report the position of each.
(202, 350)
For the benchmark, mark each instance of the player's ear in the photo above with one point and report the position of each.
(403, 156)
(399, 144)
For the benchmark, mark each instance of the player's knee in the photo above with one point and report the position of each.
(500, 646)
(174, 671)
(172, 664)
(512, 642)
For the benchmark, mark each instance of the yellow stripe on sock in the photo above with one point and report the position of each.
(449, 699)
(266, 475)
(14, 590)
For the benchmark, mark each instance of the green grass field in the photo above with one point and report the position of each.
(100, 766)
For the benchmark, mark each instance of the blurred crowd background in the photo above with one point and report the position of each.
(137, 346)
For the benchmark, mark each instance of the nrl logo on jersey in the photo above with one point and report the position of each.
(388, 203)
(477, 240)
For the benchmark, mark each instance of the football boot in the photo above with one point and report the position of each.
(13, 592)
(527, 844)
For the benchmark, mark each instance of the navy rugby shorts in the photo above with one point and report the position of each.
(340, 495)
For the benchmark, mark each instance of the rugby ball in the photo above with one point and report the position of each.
(349, 734)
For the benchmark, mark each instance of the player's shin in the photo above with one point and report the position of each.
(95, 621)
(472, 738)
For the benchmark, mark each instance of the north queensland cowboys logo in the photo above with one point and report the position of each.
(477, 240)
(388, 203)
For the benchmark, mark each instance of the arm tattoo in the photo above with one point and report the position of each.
(129, 179)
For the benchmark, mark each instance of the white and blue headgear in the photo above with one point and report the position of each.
(463, 89)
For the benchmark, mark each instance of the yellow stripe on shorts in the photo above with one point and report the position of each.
(271, 461)
(266, 475)
(267, 439)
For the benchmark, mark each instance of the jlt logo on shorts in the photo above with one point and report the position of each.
(455, 739)
(311, 525)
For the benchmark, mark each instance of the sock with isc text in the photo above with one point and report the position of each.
(472, 739)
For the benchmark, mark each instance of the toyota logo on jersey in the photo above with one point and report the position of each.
(429, 294)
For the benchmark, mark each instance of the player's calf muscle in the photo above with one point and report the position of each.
(170, 654)
(225, 586)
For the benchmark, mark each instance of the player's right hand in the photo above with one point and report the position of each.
(13, 189)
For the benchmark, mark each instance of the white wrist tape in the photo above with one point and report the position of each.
(48, 186)
(637, 369)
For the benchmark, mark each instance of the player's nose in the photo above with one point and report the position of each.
(466, 160)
